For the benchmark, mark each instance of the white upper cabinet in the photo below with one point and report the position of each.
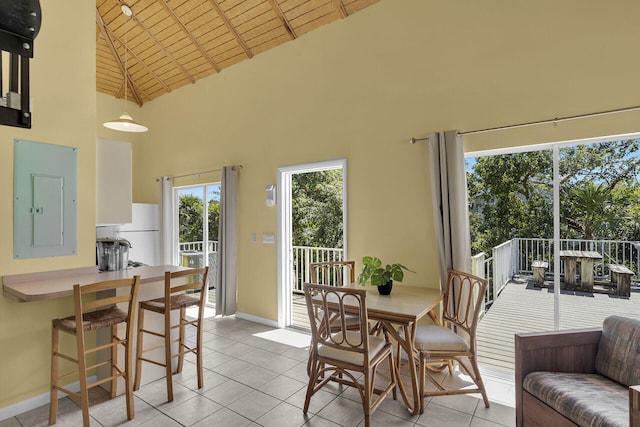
(113, 182)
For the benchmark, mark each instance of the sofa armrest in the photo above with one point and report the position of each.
(562, 351)
(634, 406)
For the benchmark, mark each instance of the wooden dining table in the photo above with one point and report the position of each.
(397, 315)
(586, 260)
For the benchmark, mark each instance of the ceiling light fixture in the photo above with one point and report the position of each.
(125, 122)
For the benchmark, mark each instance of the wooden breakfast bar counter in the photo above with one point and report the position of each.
(59, 283)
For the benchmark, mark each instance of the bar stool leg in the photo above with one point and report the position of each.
(199, 351)
(82, 377)
(128, 363)
(167, 352)
(53, 401)
(114, 360)
(183, 315)
(136, 383)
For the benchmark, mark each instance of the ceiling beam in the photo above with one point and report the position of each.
(161, 47)
(140, 61)
(340, 8)
(283, 19)
(102, 27)
(231, 28)
(195, 41)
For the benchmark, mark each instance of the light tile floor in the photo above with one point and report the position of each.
(256, 376)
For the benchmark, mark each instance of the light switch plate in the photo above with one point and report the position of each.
(268, 238)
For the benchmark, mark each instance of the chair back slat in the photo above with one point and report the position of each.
(186, 280)
(125, 292)
(334, 273)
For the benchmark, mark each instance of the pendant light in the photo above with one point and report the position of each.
(125, 122)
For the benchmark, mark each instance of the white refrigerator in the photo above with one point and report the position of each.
(143, 233)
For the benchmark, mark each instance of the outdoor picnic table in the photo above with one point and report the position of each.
(586, 260)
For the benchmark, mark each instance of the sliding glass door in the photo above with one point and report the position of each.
(198, 214)
(546, 227)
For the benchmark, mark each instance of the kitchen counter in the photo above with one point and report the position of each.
(59, 283)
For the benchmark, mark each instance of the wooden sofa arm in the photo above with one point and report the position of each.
(634, 406)
(562, 351)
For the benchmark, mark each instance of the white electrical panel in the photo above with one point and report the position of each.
(45, 206)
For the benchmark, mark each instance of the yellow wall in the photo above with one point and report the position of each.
(361, 88)
(63, 99)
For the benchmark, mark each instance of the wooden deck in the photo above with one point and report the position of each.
(523, 308)
(299, 315)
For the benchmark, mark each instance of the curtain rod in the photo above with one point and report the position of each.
(200, 173)
(539, 122)
(196, 174)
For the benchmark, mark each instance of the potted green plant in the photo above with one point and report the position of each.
(380, 276)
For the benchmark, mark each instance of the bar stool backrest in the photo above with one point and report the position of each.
(84, 304)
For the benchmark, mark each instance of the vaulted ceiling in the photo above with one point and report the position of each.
(166, 44)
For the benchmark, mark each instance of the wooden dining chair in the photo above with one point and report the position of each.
(182, 289)
(337, 356)
(93, 311)
(334, 273)
(455, 338)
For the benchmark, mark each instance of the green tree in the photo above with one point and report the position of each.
(317, 209)
(511, 195)
(589, 210)
(214, 213)
(190, 218)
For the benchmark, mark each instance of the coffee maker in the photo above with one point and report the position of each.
(112, 254)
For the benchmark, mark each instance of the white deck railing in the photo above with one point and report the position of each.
(507, 259)
(497, 269)
(198, 246)
(192, 255)
(304, 255)
(613, 252)
(516, 256)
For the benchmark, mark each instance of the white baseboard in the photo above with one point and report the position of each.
(256, 319)
(37, 401)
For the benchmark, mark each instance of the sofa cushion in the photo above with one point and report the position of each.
(585, 399)
(618, 355)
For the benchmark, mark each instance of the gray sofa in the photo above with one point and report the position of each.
(588, 377)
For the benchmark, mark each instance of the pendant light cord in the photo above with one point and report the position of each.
(126, 43)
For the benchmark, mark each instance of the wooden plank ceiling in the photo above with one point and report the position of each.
(167, 44)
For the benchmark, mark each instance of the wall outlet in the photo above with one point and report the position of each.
(268, 238)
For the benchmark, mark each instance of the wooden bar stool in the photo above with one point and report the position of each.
(182, 289)
(91, 315)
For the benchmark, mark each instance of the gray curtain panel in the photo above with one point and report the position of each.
(166, 221)
(450, 205)
(227, 243)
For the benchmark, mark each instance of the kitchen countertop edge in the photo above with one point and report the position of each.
(46, 285)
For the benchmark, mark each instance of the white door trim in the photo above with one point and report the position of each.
(284, 227)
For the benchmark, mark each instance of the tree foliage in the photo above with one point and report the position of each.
(191, 211)
(512, 195)
(214, 214)
(190, 218)
(317, 209)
